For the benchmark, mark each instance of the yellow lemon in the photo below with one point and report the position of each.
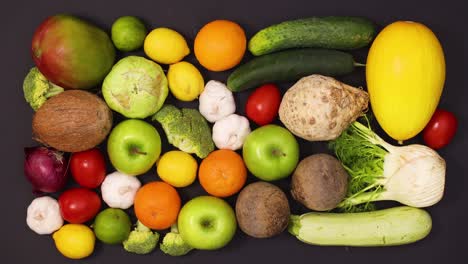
(177, 168)
(74, 241)
(185, 81)
(165, 46)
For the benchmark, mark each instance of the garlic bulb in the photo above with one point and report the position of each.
(216, 101)
(118, 190)
(43, 215)
(230, 132)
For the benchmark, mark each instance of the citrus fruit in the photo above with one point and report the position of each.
(75, 241)
(112, 226)
(220, 45)
(222, 173)
(177, 168)
(128, 33)
(157, 205)
(165, 46)
(185, 81)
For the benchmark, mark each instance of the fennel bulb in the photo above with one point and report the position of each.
(413, 175)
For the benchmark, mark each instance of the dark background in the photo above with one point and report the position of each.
(447, 242)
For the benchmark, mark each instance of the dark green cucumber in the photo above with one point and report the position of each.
(290, 65)
(342, 33)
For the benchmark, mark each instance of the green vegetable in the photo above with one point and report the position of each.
(413, 175)
(290, 65)
(173, 244)
(345, 33)
(141, 240)
(37, 89)
(135, 87)
(388, 227)
(186, 129)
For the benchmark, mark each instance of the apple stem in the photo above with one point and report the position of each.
(278, 152)
(137, 151)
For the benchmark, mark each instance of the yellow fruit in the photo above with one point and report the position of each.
(74, 241)
(165, 46)
(177, 168)
(185, 81)
(405, 74)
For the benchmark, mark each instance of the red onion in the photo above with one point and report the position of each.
(45, 168)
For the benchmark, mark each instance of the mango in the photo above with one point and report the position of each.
(71, 52)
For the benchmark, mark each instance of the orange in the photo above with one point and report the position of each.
(220, 45)
(222, 173)
(157, 205)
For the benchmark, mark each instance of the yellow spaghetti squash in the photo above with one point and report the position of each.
(405, 75)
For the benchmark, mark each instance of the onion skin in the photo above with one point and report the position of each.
(46, 169)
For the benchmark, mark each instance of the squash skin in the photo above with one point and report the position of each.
(405, 75)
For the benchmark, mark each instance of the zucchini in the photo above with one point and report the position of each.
(388, 227)
(290, 65)
(343, 33)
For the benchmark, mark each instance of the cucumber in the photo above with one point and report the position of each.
(290, 65)
(388, 227)
(343, 33)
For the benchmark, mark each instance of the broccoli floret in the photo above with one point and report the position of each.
(37, 89)
(186, 129)
(141, 240)
(167, 114)
(173, 244)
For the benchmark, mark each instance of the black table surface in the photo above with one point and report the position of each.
(446, 243)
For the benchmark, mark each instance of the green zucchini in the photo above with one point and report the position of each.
(388, 227)
(290, 65)
(343, 33)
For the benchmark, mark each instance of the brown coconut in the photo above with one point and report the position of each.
(72, 121)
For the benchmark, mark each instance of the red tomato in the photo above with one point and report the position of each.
(88, 168)
(262, 105)
(79, 205)
(441, 129)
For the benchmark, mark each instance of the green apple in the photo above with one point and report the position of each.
(271, 152)
(207, 222)
(133, 146)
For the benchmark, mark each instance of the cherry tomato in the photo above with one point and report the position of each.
(79, 205)
(441, 129)
(262, 105)
(88, 168)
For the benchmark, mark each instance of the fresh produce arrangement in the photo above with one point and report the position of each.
(95, 103)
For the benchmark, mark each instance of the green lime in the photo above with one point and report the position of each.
(112, 226)
(128, 33)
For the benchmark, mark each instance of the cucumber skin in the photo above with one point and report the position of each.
(342, 33)
(389, 227)
(289, 65)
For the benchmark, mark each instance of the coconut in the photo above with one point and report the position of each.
(72, 121)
